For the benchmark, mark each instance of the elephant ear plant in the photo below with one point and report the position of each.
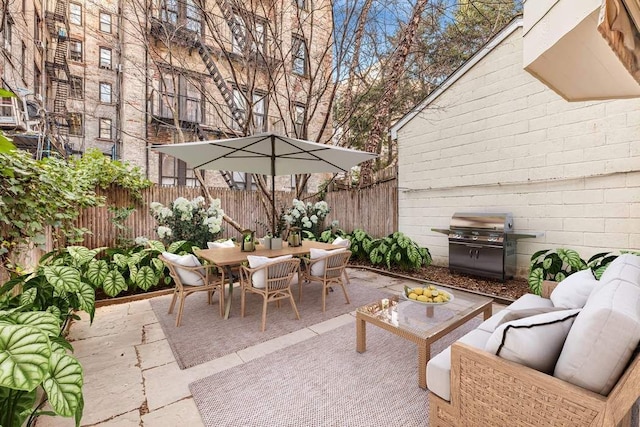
(35, 366)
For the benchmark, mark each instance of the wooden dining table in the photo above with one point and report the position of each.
(228, 258)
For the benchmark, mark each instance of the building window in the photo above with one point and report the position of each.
(299, 120)
(105, 58)
(23, 60)
(76, 86)
(237, 43)
(299, 50)
(37, 24)
(254, 35)
(76, 127)
(193, 17)
(166, 97)
(75, 50)
(185, 100)
(193, 102)
(105, 22)
(240, 105)
(75, 14)
(169, 11)
(175, 172)
(7, 34)
(104, 130)
(301, 4)
(36, 79)
(105, 92)
(259, 112)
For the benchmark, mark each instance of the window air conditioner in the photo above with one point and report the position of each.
(39, 44)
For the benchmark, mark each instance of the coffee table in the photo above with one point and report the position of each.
(420, 323)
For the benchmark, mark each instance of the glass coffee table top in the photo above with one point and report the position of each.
(420, 319)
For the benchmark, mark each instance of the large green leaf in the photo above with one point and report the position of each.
(536, 255)
(97, 272)
(63, 279)
(48, 323)
(86, 297)
(15, 406)
(5, 144)
(156, 245)
(146, 278)
(571, 258)
(64, 384)
(114, 283)
(28, 296)
(81, 254)
(24, 356)
(157, 265)
(536, 278)
(120, 260)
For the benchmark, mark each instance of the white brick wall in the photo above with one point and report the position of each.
(499, 140)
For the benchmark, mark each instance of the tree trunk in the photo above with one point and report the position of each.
(208, 196)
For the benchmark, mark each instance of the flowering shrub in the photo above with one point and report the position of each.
(308, 217)
(189, 220)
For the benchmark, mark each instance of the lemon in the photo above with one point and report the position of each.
(413, 295)
(422, 298)
(417, 291)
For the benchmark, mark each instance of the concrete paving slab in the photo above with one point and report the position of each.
(153, 332)
(182, 413)
(331, 324)
(107, 344)
(130, 419)
(154, 354)
(115, 322)
(139, 307)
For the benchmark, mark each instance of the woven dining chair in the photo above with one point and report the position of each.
(327, 270)
(345, 243)
(191, 279)
(272, 281)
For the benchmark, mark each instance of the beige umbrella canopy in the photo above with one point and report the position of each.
(266, 154)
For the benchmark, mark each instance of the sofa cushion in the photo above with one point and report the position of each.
(511, 315)
(187, 277)
(317, 269)
(603, 338)
(534, 341)
(259, 278)
(339, 241)
(439, 367)
(573, 291)
(625, 267)
(527, 301)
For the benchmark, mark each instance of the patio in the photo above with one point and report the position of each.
(128, 363)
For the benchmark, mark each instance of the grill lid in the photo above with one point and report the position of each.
(464, 222)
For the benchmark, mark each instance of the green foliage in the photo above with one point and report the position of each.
(118, 218)
(360, 244)
(329, 235)
(397, 249)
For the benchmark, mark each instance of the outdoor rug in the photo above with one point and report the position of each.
(323, 381)
(203, 335)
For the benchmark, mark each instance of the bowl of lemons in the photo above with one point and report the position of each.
(427, 295)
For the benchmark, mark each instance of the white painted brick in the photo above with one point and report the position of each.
(622, 165)
(568, 237)
(634, 242)
(606, 152)
(621, 225)
(614, 240)
(609, 181)
(582, 196)
(584, 224)
(619, 195)
(608, 210)
(584, 169)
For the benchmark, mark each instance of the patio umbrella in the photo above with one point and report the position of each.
(266, 154)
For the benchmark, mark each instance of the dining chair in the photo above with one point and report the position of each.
(327, 270)
(273, 281)
(344, 243)
(190, 276)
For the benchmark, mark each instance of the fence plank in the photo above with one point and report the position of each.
(372, 209)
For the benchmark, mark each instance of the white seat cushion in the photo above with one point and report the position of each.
(530, 301)
(573, 291)
(439, 367)
(625, 267)
(259, 279)
(189, 260)
(317, 269)
(603, 338)
(339, 241)
(534, 341)
(224, 244)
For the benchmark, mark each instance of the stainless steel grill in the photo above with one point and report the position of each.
(483, 244)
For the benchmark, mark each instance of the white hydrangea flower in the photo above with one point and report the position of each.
(165, 212)
(155, 206)
(164, 232)
(335, 223)
(295, 214)
(215, 204)
(314, 219)
(141, 241)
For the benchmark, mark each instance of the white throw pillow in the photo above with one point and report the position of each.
(534, 341)
(339, 241)
(602, 339)
(625, 267)
(317, 269)
(189, 260)
(574, 290)
(259, 279)
(224, 244)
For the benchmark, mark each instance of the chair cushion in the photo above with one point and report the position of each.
(187, 277)
(603, 338)
(223, 244)
(573, 291)
(534, 341)
(259, 278)
(625, 267)
(439, 367)
(339, 241)
(317, 269)
(530, 301)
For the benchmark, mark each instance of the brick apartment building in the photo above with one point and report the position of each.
(121, 75)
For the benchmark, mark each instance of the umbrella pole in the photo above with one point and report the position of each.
(273, 185)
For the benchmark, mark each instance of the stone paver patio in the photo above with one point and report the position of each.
(131, 376)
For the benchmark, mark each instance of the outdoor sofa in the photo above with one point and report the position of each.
(567, 358)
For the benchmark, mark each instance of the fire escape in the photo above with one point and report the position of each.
(192, 39)
(59, 76)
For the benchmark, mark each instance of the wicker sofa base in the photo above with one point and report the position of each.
(490, 391)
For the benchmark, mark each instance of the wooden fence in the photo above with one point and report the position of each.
(373, 209)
